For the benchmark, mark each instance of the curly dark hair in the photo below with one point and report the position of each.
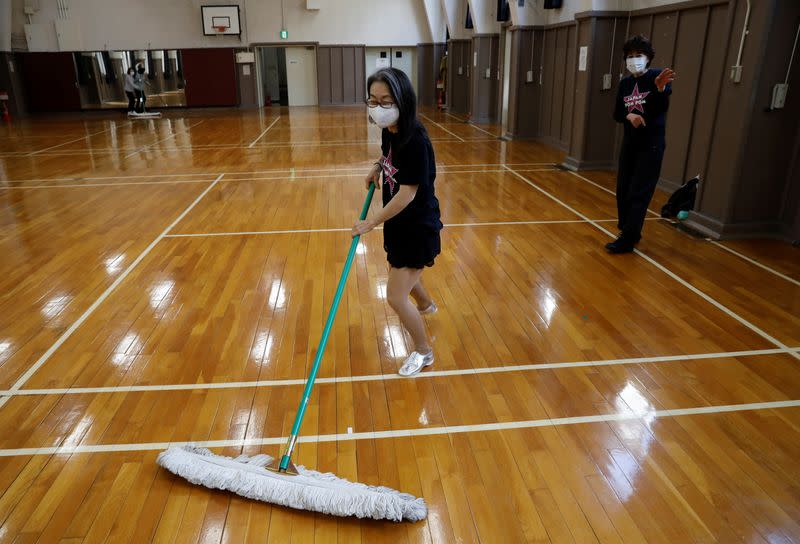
(639, 43)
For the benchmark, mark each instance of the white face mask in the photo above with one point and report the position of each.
(384, 117)
(636, 65)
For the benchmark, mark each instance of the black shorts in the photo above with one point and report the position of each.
(411, 248)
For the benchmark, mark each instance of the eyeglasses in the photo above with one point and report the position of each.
(375, 104)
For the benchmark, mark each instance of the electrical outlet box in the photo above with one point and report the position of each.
(488, 73)
(529, 77)
(779, 95)
(606, 82)
(460, 70)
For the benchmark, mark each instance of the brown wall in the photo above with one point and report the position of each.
(428, 57)
(485, 89)
(524, 98)
(459, 55)
(246, 84)
(340, 74)
(543, 108)
(600, 147)
(715, 128)
(771, 137)
(11, 82)
(790, 213)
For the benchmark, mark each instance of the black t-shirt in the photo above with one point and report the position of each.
(640, 95)
(412, 164)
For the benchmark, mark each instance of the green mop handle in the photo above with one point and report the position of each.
(301, 410)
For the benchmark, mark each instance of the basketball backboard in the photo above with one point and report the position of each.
(220, 20)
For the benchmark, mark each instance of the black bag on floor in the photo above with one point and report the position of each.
(682, 199)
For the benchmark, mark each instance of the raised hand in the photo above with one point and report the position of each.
(666, 76)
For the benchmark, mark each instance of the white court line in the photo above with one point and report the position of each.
(261, 232)
(244, 179)
(441, 127)
(115, 150)
(314, 231)
(231, 174)
(100, 178)
(473, 125)
(360, 173)
(265, 131)
(75, 140)
(440, 168)
(665, 270)
(129, 155)
(730, 250)
(476, 127)
(90, 310)
(755, 262)
(456, 118)
(123, 184)
(389, 377)
(609, 191)
(407, 433)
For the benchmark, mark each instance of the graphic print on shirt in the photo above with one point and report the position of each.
(636, 100)
(388, 172)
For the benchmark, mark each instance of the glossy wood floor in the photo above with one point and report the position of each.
(166, 281)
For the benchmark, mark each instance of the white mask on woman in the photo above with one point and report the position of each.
(636, 65)
(384, 117)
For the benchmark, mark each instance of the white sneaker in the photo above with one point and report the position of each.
(432, 309)
(416, 362)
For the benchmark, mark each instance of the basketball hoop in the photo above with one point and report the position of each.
(221, 29)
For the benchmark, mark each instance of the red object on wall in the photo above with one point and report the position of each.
(210, 76)
(50, 81)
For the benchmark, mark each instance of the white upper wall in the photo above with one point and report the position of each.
(5, 25)
(456, 16)
(437, 22)
(484, 16)
(121, 24)
(376, 22)
(174, 24)
(533, 13)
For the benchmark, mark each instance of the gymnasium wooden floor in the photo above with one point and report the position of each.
(167, 281)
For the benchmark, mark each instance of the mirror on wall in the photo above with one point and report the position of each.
(101, 78)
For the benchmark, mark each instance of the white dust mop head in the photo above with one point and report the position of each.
(309, 490)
